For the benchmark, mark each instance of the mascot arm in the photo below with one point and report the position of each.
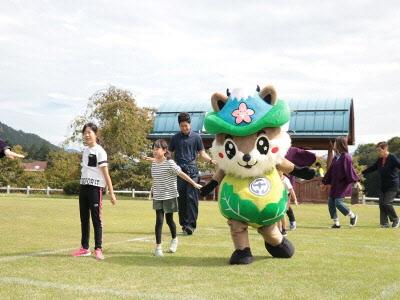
(300, 172)
(213, 183)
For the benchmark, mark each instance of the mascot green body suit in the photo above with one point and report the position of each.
(249, 148)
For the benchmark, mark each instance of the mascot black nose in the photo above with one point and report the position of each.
(246, 157)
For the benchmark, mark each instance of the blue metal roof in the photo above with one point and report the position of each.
(320, 117)
(310, 118)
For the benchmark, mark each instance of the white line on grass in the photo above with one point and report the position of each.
(43, 253)
(81, 289)
(389, 291)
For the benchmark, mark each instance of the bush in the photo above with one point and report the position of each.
(71, 187)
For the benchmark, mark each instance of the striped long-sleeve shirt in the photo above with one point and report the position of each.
(164, 179)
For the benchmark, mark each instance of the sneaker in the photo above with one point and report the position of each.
(385, 226)
(99, 254)
(293, 225)
(82, 252)
(189, 230)
(396, 224)
(158, 252)
(353, 221)
(284, 233)
(334, 226)
(173, 246)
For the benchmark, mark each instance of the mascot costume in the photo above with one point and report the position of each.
(250, 149)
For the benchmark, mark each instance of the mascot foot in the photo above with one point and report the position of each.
(241, 257)
(283, 250)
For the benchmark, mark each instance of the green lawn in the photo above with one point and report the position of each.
(37, 236)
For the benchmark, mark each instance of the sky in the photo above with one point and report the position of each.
(55, 54)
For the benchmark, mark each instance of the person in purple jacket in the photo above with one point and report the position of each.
(301, 158)
(387, 165)
(340, 176)
(5, 151)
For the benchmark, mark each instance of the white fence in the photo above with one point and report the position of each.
(28, 190)
(48, 191)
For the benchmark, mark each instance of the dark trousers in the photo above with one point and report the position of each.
(188, 202)
(290, 215)
(90, 203)
(159, 224)
(386, 208)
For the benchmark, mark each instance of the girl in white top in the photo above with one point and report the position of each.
(94, 178)
(292, 196)
(164, 171)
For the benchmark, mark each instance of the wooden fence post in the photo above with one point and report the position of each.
(48, 191)
(8, 189)
(27, 190)
(133, 193)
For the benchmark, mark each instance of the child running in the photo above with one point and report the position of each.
(164, 171)
(5, 151)
(94, 177)
(292, 196)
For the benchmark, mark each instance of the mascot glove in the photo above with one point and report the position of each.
(303, 172)
(208, 188)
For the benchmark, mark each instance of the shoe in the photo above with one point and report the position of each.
(293, 225)
(385, 226)
(82, 252)
(334, 226)
(189, 230)
(396, 224)
(284, 233)
(241, 257)
(173, 246)
(158, 252)
(353, 221)
(99, 254)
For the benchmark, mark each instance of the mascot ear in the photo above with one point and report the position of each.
(268, 94)
(218, 101)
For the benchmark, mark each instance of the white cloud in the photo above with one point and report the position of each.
(59, 53)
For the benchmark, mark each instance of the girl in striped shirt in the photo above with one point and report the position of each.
(164, 171)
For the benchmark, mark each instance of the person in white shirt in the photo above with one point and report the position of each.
(94, 178)
(165, 192)
(292, 196)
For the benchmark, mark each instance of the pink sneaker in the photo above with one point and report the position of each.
(82, 252)
(99, 254)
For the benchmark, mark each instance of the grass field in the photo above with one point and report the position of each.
(37, 236)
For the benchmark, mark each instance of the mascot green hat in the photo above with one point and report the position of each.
(239, 115)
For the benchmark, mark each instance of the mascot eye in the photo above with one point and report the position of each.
(263, 145)
(230, 149)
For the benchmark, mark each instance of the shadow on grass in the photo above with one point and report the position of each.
(169, 260)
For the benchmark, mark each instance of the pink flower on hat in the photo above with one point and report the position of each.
(243, 113)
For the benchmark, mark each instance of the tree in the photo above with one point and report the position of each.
(124, 127)
(11, 170)
(62, 167)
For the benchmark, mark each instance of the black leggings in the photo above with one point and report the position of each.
(290, 214)
(159, 223)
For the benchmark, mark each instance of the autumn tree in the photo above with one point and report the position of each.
(124, 127)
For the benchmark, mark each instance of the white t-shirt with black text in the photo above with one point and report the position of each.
(92, 159)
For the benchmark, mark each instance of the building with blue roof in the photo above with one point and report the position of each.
(313, 123)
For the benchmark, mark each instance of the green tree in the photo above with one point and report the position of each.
(394, 145)
(11, 169)
(33, 179)
(62, 167)
(124, 127)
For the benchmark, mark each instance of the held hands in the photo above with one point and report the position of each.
(208, 188)
(197, 186)
(12, 155)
